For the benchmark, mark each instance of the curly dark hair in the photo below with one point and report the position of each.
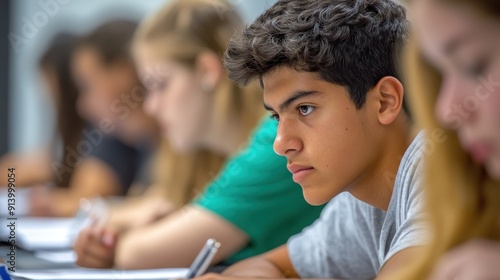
(353, 43)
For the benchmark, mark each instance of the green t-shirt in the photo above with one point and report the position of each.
(256, 193)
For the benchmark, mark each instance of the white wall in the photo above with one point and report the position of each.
(33, 24)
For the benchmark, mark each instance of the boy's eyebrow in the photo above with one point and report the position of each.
(297, 95)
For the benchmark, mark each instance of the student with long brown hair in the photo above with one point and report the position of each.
(111, 95)
(252, 205)
(74, 164)
(56, 77)
(453, 73)
(111, 98)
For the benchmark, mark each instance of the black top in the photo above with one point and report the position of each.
(128, 162)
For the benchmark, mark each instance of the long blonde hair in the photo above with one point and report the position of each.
(181, 31)
(462, 201)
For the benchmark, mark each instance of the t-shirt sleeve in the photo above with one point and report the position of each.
(331, 247)
(256, 193)
(411, 229)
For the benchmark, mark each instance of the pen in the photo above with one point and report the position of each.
(99, 212)
(203, 259)
(93, 212)
(80, 217)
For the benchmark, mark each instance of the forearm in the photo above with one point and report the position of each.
(53, 202)
(157, 246)
(138, 211)
(30, 170)
(175, 240)
(258, 267)
(273, 264)
(64, 203)
(119, 215)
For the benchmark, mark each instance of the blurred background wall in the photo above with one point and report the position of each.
(26, 117)
(4, 77)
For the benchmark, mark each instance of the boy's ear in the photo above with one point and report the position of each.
(389, 95)
(209, 69)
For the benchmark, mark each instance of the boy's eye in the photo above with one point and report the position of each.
(306, 110)
(275, 117)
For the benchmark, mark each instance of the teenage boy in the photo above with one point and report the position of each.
(327, 68)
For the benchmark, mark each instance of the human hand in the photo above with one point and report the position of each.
(95, 247)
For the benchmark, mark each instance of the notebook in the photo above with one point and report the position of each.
(34, 234)
(101, 274)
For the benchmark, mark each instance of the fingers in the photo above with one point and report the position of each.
(210, 276)
(95, 247)
(216, 276)
(109, 238)
(87, 260)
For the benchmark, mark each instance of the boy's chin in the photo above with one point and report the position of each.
(315, 196)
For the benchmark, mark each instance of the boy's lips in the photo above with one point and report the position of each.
(299, 171)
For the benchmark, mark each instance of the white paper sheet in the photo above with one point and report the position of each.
(101, 274)
(34, 234)
(63, 257)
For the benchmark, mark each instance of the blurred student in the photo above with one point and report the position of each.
(252, 205)
(328, 70)
(35, 167)
(456, 72)
(111, 95)
(111, 98)
(80, 170)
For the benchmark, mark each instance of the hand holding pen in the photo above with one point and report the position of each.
(95, 245)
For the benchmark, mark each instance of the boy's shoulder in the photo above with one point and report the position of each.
(407, 185)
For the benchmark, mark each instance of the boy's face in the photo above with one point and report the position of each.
(328, 143)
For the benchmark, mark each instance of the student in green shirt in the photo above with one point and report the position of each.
(253, 205)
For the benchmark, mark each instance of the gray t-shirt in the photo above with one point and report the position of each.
(352, 239)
